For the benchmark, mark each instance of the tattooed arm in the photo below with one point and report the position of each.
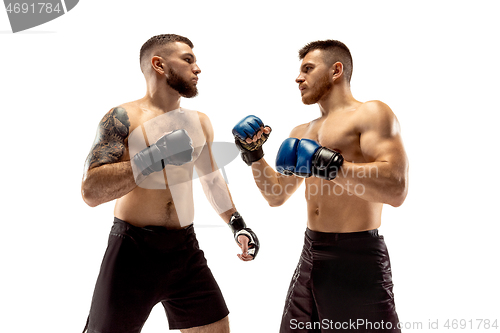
(107, 176)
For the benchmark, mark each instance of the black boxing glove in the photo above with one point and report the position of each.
(239, 228)
(174, 148)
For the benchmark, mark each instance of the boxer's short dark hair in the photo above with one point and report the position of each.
(334, 51)
(161, 40)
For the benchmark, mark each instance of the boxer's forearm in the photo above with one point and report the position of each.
(266, 179)
(375, 182)
(108, 182)
(273, 186)
(217, 193)
(226, 216)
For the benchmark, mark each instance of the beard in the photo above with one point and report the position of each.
(183, 87)
(318, 90)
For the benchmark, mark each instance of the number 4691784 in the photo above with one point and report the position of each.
(40, 7)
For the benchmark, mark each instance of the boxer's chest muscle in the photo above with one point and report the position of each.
(339, 133)
(154, 126)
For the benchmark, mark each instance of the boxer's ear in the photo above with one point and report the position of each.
(158, 64)
(337, 70)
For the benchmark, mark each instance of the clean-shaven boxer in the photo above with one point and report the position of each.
(353, 161)
(143, 156)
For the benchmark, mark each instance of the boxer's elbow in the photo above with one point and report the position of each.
(90, 196)
(276, 194)
(396, 202)
(399, 184)
(87, 189)
(89, 199)
(275, 200)
(398, 192)
(275, 203)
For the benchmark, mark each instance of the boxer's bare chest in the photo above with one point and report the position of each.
(147, 127)
(339, 132)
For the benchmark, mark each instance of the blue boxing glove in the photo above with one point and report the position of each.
(306, 158)
(286, 159)
(248, 127)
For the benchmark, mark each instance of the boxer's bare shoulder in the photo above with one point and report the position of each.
(109, 144)
(299, 131)
(376, 115)
(204, 119)
(137, 115)
(206, 126)
(380, 132)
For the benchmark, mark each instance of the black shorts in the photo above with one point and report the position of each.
(145, 266)
(343, 282)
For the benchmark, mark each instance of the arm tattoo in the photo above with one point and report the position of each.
(109, 146)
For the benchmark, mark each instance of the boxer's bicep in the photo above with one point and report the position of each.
(380, 137)
(381, 141)
(206, 163)
(213, 184)
(109, 144)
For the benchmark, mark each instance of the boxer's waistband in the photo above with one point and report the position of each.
(152, 228)
(155, 237)
(318, 236)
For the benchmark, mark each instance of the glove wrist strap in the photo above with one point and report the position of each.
(249, 156)
(326, 163)
(252, 156)
(143, 160)
(236, 222)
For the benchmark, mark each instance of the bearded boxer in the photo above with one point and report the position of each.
(143, 156)
(353, 161)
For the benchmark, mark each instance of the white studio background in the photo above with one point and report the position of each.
(434, 63)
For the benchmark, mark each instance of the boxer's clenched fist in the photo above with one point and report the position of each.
(306, 158)
(240, 231)
(174, 148)
(250, 134)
